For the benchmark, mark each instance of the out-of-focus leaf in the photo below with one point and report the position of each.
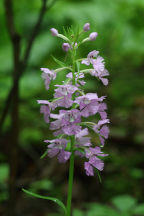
(137, 173)
(77, 212)
(43, 184)
(124, 203)
(4, 172)
(101, 210)
(139, 210)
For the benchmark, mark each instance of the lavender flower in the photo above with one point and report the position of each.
(94, 161)
(54, 31)
(64, 95)
(86, 27)
(98, 65)
(81, 140)
(99, 70)
(66, 122)
(93, 36)
(103, 132)
(48, 75)
(66, 46)
(89, 104)
(46, 109)
(90, 57)
(57, 147)
(70, 104)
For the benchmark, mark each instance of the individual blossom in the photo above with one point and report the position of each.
(66, 122)
(54, 32)
(90, 58)
(102, 110)
(99, 70)
(101, 75)
(93, 36)
(86, 27)
(46, 109)
(89, 169)
(93, 155)
(63, 93)
(48, 75)
(89, 104)
(57, 147)
(102, 130)
(98, 65)
(82, 141)
(66, 46)
(81, 138)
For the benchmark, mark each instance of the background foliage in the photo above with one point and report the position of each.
(120, 41)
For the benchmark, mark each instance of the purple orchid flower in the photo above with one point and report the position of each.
(48, 75)
(57, 147)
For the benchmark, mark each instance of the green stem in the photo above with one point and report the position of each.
(71, 166)
(71, 174)
(73, 68)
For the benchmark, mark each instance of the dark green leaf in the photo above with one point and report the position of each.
(44, 154)
(99, 176)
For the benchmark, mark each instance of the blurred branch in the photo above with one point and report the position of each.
(10, 21)
(13, 35)
(13, 150)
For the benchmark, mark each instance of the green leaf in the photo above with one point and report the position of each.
(124, 203)
(139, 209)
(4, 172)
(96, 209)
(99, 176)
(59, 62)
(43, 184)
(44, 154)
(46, 198)
(77, 212)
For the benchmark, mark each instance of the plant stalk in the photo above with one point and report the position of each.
(71, 175)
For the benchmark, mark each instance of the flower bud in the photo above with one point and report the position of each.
(54, 31)
(93, 35)
(86, 27)
(66, 46)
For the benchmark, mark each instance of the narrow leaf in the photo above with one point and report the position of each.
(99, 176)
(47, 198)
(44, 154)
(59, 62)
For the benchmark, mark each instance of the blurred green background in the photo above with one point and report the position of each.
(120, 24)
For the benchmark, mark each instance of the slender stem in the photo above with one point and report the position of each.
(71, 174)
(71, 166)
(73, 65)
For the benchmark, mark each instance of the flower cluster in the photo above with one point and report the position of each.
(66, 113)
